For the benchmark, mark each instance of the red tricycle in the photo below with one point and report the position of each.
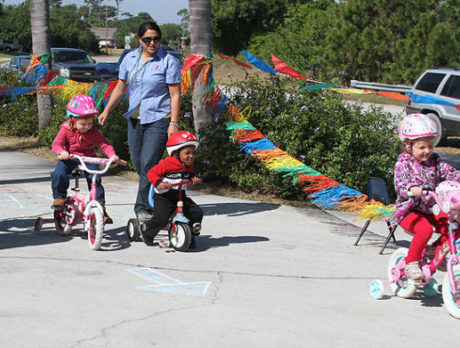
(180, 233)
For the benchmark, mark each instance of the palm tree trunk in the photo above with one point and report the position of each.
(39, 19)
(200, 42)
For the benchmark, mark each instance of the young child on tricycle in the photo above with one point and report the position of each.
(169, 178)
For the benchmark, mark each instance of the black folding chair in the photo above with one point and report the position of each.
(377, 190)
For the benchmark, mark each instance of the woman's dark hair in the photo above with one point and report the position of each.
(146, 26)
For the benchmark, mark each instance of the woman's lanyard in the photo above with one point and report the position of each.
(137, 69)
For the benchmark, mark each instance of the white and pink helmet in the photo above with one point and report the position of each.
(415, 126)
(81, 105)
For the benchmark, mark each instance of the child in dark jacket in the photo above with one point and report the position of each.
(175, 168)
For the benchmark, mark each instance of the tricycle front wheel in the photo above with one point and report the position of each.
(180, 236)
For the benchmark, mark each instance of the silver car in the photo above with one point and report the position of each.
(18, 64)
(436, 94)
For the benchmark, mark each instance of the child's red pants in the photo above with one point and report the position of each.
(421, 226)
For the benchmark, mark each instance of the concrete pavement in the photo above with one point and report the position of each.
(263, 275)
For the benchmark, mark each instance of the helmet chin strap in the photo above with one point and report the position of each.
(408, 145)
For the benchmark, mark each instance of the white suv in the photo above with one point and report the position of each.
(444, 85)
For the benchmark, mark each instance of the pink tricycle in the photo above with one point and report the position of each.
(81, 208)
(447, 198)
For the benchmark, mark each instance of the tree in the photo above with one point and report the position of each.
(235, 22)
(118, 2)
(184, 22)
(171, 33)
(55, 3)
(200, 35)
(39, 19)
(95, 8)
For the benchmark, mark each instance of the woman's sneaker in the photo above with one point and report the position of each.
(413, 271)
(143, 216)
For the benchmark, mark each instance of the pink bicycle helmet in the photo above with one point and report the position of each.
(81, 105)
(416, 126)
(179, 140)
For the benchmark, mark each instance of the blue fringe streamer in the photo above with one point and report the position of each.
(257, 145)
(331, 196)
(35, 75)
(15, 92)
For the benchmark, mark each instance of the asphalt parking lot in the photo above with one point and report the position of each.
(263, 275)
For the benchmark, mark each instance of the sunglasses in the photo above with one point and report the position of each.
(148, 39)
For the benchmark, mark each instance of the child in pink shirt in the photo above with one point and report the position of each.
(78, 136)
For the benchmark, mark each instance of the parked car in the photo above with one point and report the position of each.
(444, 85)
(9, 45)
(74, 64)
(17, 64)
(109, 71)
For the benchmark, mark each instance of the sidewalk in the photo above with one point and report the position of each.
(263, 275)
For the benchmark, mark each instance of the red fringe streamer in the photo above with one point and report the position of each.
(318, 182)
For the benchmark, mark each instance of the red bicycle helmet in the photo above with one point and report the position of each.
(181, 139)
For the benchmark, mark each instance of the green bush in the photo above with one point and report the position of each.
(18, 116)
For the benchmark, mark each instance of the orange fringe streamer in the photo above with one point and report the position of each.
(245, 135)
(234, 113)
(354, 204)
(186, 83)
(269, 155)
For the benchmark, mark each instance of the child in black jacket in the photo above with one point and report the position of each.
(175, 168)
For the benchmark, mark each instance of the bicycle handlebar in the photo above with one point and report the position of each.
(182, 183)
(106, 162)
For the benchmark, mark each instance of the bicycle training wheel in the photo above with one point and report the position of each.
(133, 229)
(59, 222)
(96, 228)
(180, 236)
(403, 287)
(38, 224)
(452, 300)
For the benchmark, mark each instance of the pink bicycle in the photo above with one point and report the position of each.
(82, 208)
(447, 198)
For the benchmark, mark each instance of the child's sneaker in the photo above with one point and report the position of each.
(58, 203)
(107, 218)
(413, 271)
(196, 228)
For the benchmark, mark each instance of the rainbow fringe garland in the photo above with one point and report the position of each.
(324, 192)
(45, 81)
